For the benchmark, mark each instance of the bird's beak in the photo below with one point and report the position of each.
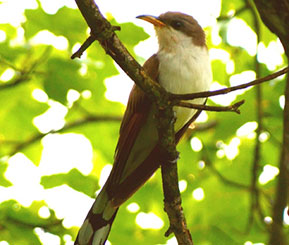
(152, 19)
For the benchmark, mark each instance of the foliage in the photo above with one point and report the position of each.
(229, 213)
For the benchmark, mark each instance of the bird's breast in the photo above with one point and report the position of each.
(186, 70)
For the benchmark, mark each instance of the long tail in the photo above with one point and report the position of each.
(97, 224)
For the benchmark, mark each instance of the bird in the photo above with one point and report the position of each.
(181, 65)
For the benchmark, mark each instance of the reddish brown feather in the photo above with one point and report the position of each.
(134, 117)
(145, 170)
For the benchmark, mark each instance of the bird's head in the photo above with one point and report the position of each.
(175, 28)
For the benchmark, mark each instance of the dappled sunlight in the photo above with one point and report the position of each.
(52, 119)
(203, 117)
(268, 220)
(2, 36)
(240, 34)
(48, 38)
(65, 201)
(7, 75)
(183, 185)
(46, 236)
(118, 88)
(196, 144)
(199, 194)
(52, 6)
(172, 241)
(44, 212)
(251, 243)
(282, 101)
(241, 78)
(63, 152)
(25, 177)
(39, 95)
(72, 96)
(58, 168)
(225, 99)
(264, 136)
(286, 216)
(231, 150)
(268, 174)
(201, 165)
(133, 207)
(149, 221)
(271, 55)
(104, 174)
(225, 57)
(247, 129)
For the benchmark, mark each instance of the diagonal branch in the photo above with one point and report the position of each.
(104, 33)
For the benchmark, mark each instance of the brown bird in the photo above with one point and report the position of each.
(181, 66)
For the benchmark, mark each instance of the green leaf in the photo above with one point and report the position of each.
(63, 75)
(131, 35)
(19, 222)
(3, 181)
(74, 179)
(73, 28)
(17, 113)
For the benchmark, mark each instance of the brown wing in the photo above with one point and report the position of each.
(134, 117)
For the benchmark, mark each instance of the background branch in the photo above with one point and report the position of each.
(20, 146)
(24, 74)
(275, 16)
(255, 192)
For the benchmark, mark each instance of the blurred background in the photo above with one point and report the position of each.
(59, 122)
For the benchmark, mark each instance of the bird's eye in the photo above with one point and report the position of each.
(177, 24)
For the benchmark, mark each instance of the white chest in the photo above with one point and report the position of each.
(185, 70)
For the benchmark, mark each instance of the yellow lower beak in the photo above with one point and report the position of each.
(152, 19)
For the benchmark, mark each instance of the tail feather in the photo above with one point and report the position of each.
(97, 224)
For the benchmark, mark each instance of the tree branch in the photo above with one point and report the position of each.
(102, 31)
(275, 15)
(233, 108)
(25, 73)
(228, 90)
(255, 191)
(83, 47)
(20, 146)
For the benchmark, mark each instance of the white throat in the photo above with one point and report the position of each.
(183, 68)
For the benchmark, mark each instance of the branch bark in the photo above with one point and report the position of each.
(275, 15)
(230, 89)
(103, 32)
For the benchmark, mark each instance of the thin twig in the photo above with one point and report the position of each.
(16, 81)
(230, 89)
(231, 108)
(83, 47)
(25, 73)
